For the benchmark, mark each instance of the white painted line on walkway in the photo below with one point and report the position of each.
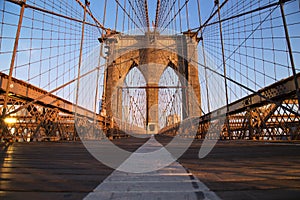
(171, 182)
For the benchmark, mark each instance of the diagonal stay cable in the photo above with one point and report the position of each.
(124, 10)
(179, 10)
(135, 12)
(52, 91)
(241, 85)
(166, 16)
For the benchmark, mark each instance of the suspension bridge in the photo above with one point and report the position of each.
(221, 72)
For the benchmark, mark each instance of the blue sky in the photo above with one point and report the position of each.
(48, 47)
(97, 9)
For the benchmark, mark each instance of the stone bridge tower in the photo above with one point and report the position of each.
(152, 53)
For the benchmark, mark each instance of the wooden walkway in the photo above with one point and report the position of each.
(233, 170)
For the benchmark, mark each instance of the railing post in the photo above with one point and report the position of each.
(224, 68)
(288, 42)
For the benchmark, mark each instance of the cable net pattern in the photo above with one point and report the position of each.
(256, 54)
(49, 43)
(244, 47)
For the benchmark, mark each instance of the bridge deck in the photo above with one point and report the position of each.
(233, 170)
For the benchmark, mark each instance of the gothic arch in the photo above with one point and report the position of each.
(152, 61)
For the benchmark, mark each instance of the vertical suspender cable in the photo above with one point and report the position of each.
(187, 15)
(224, 64)
(204, 57)
(156, 15)
(288, 42)
(180, 24)
(105, 69)
(123, 24)
(80, 60)
(116, 21)
(97, 92)
(147, 15)
(175, 23)
(13, 57)
(104, 12)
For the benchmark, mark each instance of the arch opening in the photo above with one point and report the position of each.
(133, 104)
(170, 98)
